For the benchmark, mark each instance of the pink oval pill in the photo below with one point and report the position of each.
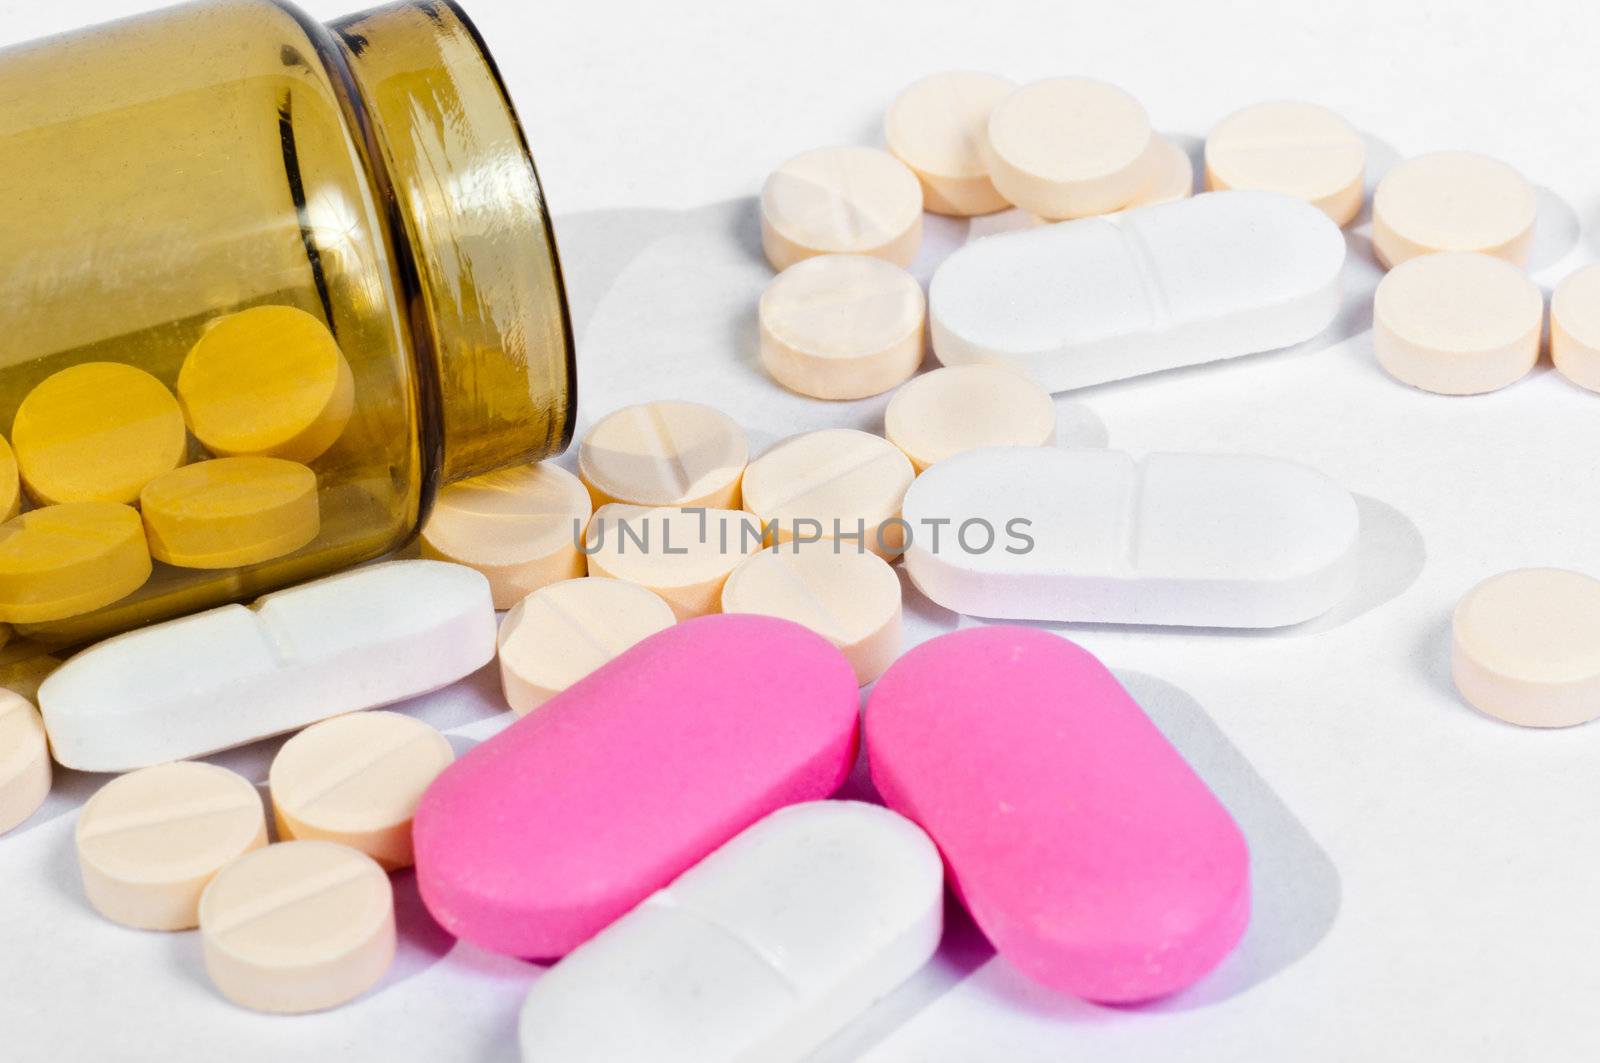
(543, 835)
(1085, 847)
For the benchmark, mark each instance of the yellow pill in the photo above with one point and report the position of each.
(230, 511)
(97, 432)
(268, 381)
(66, 560)
(10, 483)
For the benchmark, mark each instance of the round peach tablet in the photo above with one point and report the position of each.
(842, 326)
(1526, 647)
(560, 633)
(1457, 323)
(838, 483)
(149, 841)
(1575, 327)
(937, 126)
(1453, 201)
(1171, 176)
(964, 407)
(268, 381)
(1069, 148)
(356, 779)
(66, 560)
(10, 483)
(665, 453)
(682, 555)
(230, 511)
(520, 527)
(24, 760)
(848, 596)
(1299, 149)
(298, 926)
(841, 201)
(96, 432)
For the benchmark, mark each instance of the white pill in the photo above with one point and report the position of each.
(1216, 276)
(24, 760)
(761, 951)
(841, 201)
(1039, 533)
(838, 483)
(1526, 647)
(1453, 201)
(232, 675)
(938, 126)
(1171, 176)
(1575, 327)
(964, 407)
(665, 453)
(1457, 323)
(1299, 149)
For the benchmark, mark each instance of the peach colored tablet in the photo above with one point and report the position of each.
(24, 760)
(1575, 327)
(838, 483)
(666, 453)
(1526, 647)
(937, 126)
(560, 633)
(1457, 323)
(520, 527)
(1296, 148)
(842, 326)
(1171, 176)
(844, 200)
(1453, 201)
(964, 407)
(682, 554)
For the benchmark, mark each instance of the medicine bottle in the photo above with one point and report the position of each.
(265, 286)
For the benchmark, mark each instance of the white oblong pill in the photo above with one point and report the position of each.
(761, 951)
(938, 126)
(1084, 302)
(1575, 327)
(1453, 201)
(1299, 149)
(841, 201)
(24, 760)
(1199, 540)
(228, 676)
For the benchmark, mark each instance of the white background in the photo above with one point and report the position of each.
(1427, 877)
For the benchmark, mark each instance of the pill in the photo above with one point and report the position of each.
(1526, 647)
(1171, 176)
(221, 678)
(65, 560)
(1216, 276)
(1070, 147)
(761, 951)
(664, 454)
(298, 926)
(1453, 201)
(838, 483)
(842, 326)
(24, 676)
(1097, 536)
(96, 432)
(149, 842)
(963, 407)
(560, 633)
(683, 555)
(938, 127)
(1457, 323)
(229, 512)
(1299, 149)
(521, 527)
(848, 595)
(24, 760)
(535, 840)
(1090, 854)
(843, 200)
(10, 483)
(1575, 327)
(268, 381)
(356, 780)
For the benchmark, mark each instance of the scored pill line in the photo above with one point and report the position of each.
(831, 626)
(822, 476)
(667, 901)
(306, 889)
(669, 452)
(596, 639)
(1143, 260)
(102, 826)
(336, 776)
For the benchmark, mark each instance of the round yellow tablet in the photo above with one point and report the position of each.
(96, 432)
(936, 126)
(848, 200)
(1299, 149)
(1453, 201)
(1575, 327)
(10, 483)
(837, 483)
(1526, 647)
(267, 381)
(964, 407)
(66, 560)
(664, 453)
(230, 511)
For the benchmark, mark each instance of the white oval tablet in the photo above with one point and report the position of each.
(682, 555)
(1299, 149)
(1096, 536)
(964, 407)
(838, 483)
(1457, 323)
(1575, 327)
(842, 326)
(665, 453)
(1526, 647)
(561, 633)
(938, 126)
(24, 760)
(761, 951)
(1453, 201)
(841, 201)
(1216, 276)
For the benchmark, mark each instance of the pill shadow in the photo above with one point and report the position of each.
(1556, 230)
(597, 245)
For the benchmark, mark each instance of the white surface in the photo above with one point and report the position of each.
(1194, 539)
(1426, 875)
(755, 955)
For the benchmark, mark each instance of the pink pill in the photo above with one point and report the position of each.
(1085, 847)
(543, 835)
